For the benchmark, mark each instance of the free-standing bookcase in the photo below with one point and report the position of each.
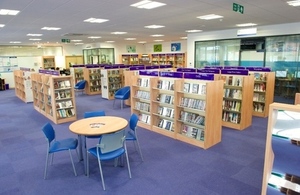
(23, 89)
(2, 84)
(92, 74)
(237, 98)
(263, 95)
(54, 97)
(111, 81)
(77, 72)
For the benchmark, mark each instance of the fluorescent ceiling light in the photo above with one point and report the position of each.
(247, 31)
(142, 42)
(146, 4)
(193, 31)
(294, 3)
(109, 41)
(35, 39)
(209, 17)
(95, 20)
(76, 40)
(9, 12)
(159, 40)
(50, 28)
(130, 39)
(94, 37)
(35, 35)
(2, 25)
(15, 42)
(118, 33)
(246, 24)
(157, 35)
(183, 37)
(154, 26)
(78, 43)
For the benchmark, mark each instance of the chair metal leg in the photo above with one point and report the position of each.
(101, 174)
(52, 156)
(87, 165)
(139, 148)
(128, 165)
(122, 104)
(75, 173)
(46, 165)
(114, 103)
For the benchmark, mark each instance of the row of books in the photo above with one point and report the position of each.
(142, 106)
(113, 72)
(166, 124)
(195, 88)
(114, 79)
(62, 94)
(91, 71)
(192, 132)
(192, 118)
(95, 88)
(193, 103)
(165, 111)
(260, 76)
(231, 105)
(165, 98)
(233, 93)
(114, 86)
(142, 94)
(95, 77)
(145, 118)
(62, 84)
(143, 82)
(232, 80)
(259, 87)
(64, 113)
(259, 97)
(231, 117)
(64, 104)
(95, 83)
(165, 84)
(258, 107)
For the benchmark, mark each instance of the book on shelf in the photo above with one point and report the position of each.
(159, 84)
(186, 87)
(195, 88)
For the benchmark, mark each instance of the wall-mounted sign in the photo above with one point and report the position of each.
(238, 8)
(131, 48)
(157, 48)
(65, 40)
(175, 46)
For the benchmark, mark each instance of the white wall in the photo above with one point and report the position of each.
(272, 30)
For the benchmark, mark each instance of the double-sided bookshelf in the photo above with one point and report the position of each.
(111, 81)
(92, 74)
(237, 98)
(54, 97)
(199, 109)
(2, 84)
(77, 72)
(264, 81)
(23, 88)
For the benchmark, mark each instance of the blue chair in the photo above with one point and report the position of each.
(111, 146)
(57, 146)
(94, 114)
(132, 133)
(122, 94)
(80, 86)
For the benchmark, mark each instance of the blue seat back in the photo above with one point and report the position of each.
(94, 113)
(125, 91)
(49, 132)
(111, 142)
(80, 84)
(133, 121)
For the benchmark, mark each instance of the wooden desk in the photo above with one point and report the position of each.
(95, 126)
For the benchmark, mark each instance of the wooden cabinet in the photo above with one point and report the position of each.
(23, 87)
(92, 74)
(54, 97)
(48, 62)
(237, 99)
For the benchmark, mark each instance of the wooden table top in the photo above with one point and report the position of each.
(98, 125)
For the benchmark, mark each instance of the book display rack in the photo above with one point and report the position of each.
(130, 59)
(53, 96)
(2, 84)
(176, 59)
(77, 72)
(92, 74)
(264, 81)
(23, 88)
(111, 81)
(237, 98)
(48, 62)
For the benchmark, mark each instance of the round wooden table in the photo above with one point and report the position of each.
(95, 126)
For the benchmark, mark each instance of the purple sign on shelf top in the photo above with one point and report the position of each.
(92, 66)
(171, 74)
(165, 66)
(137, 68)
(234, 67)
(78, 66)
(259, 69)
(124, 66)
(152, 67)
(209, 70)
(55, 72)
(186, 70)
(235, 71)
(218, 67)
(199, 76)
(24, 69)
(111, 67)
(148, 73)
(42, 71)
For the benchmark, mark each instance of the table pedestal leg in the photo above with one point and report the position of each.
(82, 151)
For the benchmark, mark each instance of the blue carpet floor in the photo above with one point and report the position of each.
(234, 166)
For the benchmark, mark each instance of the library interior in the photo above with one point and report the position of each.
(190, 97)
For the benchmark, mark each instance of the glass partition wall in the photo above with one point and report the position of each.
(99, 56)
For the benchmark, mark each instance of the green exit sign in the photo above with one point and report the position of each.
(65, 40)
(238, 8)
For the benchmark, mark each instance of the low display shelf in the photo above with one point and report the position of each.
(92, 74)
(23, 88)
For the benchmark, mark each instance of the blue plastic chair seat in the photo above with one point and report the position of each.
(107, 156)
(130, 136)
(119, 96)
(66, 144)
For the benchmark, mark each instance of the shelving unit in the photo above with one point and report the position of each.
(111, 81)
(53, 96)
(2, 85)
(92, 74)
(237, 98)
(175, 59)
(23, 87)
(130, 59)
(48, 62)
(263, 90)
(77, 72)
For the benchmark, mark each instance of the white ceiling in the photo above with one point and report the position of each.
(177, 17)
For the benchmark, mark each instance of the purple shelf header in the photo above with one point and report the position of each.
(186, 70)
(218, 67)
(136, 68)
(24, 69)
(92, 66)
(235, 72)
(171, 74)
(199, 76)
(148, 73)
(165, 66)
(209, 70)
(234, 67)
(78, 66)
(124, 66)
(259, 69)
(152, 67)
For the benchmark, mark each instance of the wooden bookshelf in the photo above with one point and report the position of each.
(237, 99)
(53, 96)
(263, 94)
(48, 62)
(92, 74)
(130, 59)
(111, 81)
(23, 88)
(2, 85)
(176, 59)
(77, 72)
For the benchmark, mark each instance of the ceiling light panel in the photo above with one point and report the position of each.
(35, 39)
(95, 20)
(154, 26)
(50, 28)
(34, 35)
(109, 41)
(193, 31)
(294, 3)
(130, 39)
(76, 40)
(9, 12)
(2, 25)
(157, 35)
(146, 4)
(15, 42)
(209, 17)
(246, 24)
(159, 40)
(118, 33)
(94, 37)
